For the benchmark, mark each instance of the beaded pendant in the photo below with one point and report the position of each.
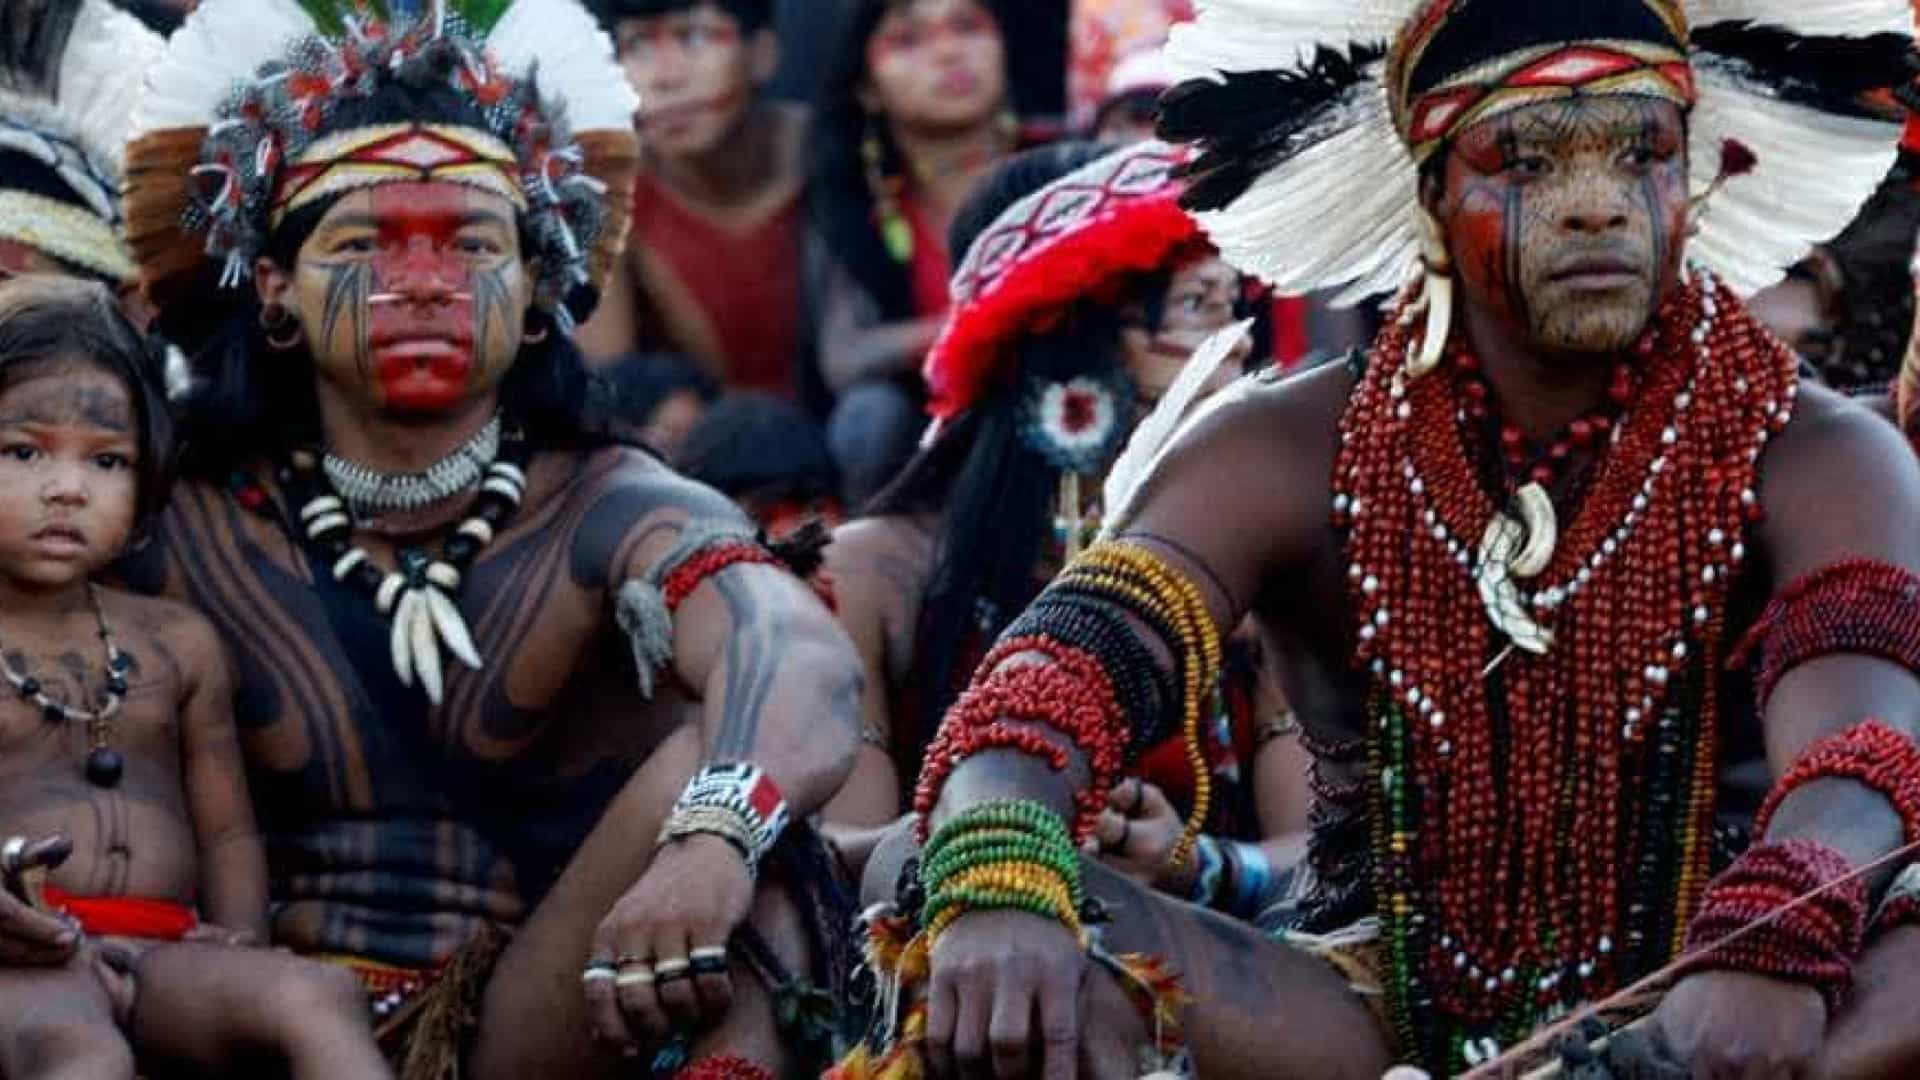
(105, 765)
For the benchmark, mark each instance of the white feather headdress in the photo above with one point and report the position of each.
(67, 97)
(1319, 190)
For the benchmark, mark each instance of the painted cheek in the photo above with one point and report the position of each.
(1477, 238)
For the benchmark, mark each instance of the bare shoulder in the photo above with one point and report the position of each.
(1840, 480)
(879, 566)
(176, 633)
(624, 507)
(1243, 493)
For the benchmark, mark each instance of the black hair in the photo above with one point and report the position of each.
(994, 493)
(249, 399)
(752, 15)
(49, 322)
(758, 444)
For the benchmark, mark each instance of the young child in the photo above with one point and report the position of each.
(124, 817)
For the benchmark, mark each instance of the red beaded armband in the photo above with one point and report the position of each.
(1815, 943)
(698, 567)
(1071, 694)
(1870, 753)
(724, 1067)
(1858, 606)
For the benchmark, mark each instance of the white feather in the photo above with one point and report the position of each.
(1156, 434)
(100, 79)
(1814, 171)
(1838, 18)
(573, 60)
(1260, 35)
(222, 43)
(1341, 214)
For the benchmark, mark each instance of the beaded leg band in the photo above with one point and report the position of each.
(724, 1067)
(1815, 943)
(738, 803)
(1858, 606)
(645, 609)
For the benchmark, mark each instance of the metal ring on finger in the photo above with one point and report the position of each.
(598, 971)
(666, 971)
(708, 960)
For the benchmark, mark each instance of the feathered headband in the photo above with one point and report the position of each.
(70, 79)
(1113, 218)
(1311, 117)
(241, 127)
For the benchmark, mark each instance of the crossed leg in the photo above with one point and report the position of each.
(1259, 1010)
(534, 1019)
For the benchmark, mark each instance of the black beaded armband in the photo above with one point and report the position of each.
(1101, 628)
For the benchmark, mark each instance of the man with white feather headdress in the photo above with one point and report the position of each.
(533, 723)
(1530, 560)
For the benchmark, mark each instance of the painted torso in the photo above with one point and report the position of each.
(394, 828)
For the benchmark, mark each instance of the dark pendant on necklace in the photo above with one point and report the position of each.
(104, 766)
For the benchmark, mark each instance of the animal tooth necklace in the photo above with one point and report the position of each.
(418, 596)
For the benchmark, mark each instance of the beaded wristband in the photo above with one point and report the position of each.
(1069, 694)
(1858, 606)
(1006, 855)
(1815, 943)
(1870, 753)
(720, 794)
(1209, 869)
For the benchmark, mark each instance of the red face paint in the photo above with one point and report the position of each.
(420, 325)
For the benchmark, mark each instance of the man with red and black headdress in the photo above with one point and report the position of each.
(1523, 558)
(530, 719)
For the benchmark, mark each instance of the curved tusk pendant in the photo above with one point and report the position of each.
(1433, 343)
(1494, 578)
(426, 648)
(1542, 532)
(400, 637)
(452, 628)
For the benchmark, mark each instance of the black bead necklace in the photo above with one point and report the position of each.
(105, 765)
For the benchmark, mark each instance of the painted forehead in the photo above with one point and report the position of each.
(68, 393)
(411, 205)
(1579, 122)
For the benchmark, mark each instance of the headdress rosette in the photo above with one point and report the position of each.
(70, 74)
(245, 122)
(1313, 116)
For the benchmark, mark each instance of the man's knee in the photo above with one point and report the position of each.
(70, 1048)
(322, 990)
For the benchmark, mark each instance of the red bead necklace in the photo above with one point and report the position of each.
(1545, 463)
(1516, 782)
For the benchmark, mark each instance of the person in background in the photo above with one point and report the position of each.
(915, 113)
(766, 454)
(1045, 366)
(654, 399)
(713, 267)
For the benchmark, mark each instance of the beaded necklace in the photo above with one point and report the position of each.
(418, 595)
(104, 763)
(369, 492)
(1541, 814)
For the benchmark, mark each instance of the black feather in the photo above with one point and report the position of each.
(33, 38)
(1247, 122)
(1826, 72)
